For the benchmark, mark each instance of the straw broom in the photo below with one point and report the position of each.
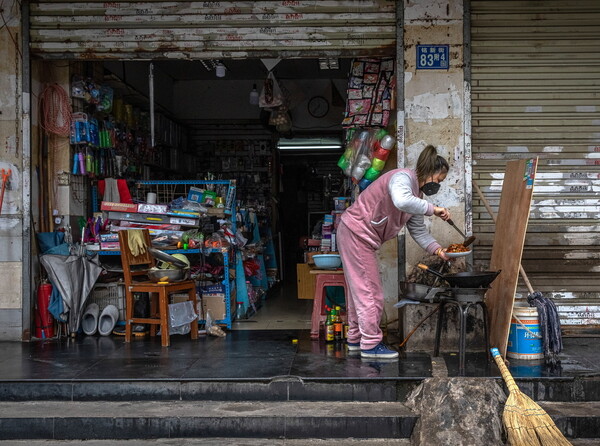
(526, 423)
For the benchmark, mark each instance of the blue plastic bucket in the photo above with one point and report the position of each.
(524, 339)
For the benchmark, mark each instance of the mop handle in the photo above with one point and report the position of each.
(508, 379)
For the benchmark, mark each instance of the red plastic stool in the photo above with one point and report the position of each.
(324, 279)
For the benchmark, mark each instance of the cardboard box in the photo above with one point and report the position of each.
(216, 306)
(177, 298)
(118, 207)
(152, 208)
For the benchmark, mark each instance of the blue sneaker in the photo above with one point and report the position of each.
(353, 346)
(379, 351)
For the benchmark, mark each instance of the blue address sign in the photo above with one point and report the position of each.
(433, 57)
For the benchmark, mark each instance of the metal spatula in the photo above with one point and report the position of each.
(467, 240)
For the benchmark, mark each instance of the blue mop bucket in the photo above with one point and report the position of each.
(524, 338)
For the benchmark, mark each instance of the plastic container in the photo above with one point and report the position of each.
(371, 174)
(525, 343)
(377, 164)
(239, 311)
(341, 203)
(363, 184)
(105, 294)
(327, 261)
(381, 153)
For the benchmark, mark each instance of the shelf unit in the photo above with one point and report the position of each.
(166, 191)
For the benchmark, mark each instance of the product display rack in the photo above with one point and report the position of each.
(166, 191)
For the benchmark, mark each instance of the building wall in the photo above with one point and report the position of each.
(434, 114)
(11, 157)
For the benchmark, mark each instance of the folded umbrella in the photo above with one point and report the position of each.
(74, 276)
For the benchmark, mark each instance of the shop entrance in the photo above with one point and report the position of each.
(207, 127)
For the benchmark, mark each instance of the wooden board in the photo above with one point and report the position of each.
(306, 281)
(511, 226)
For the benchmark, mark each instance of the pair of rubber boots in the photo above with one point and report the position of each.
(104, 323)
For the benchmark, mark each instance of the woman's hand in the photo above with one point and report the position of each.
(443, 213)
(441, 253)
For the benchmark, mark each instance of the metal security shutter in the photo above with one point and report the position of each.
(215, 30)
(536, 92)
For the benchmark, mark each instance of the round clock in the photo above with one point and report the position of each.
(318, 106)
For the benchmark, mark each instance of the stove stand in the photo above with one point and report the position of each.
(463, 299)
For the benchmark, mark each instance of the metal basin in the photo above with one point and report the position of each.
(172, 275)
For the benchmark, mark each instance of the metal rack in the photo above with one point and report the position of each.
(168, 190)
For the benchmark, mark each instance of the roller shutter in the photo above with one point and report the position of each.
(536, 92)
(212, 30)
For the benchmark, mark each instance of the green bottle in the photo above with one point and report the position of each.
(329, 331)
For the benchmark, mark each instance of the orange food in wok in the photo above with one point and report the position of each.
(457, 247)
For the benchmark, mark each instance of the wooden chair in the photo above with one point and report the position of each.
(159, 293)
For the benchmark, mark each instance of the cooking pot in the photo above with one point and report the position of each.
(466, 279)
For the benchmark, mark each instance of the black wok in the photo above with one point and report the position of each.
(465, 279)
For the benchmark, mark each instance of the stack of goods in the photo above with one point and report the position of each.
(365, 155)
(327, 231)
(166, 227)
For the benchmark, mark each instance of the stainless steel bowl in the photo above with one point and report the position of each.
(172, 275)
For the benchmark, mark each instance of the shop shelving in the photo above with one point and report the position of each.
(166, 191)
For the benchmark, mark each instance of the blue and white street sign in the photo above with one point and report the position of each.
(433, 57)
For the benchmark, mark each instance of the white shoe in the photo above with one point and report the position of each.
(89, 320)
(108, 320)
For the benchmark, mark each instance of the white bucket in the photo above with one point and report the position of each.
(524, 338)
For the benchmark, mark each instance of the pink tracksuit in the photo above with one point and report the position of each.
(378, 215)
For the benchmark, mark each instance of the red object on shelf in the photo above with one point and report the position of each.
(44, 324)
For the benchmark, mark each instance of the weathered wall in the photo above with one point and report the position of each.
(11, 157)
(434, 114)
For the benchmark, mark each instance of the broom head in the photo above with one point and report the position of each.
(526, 423)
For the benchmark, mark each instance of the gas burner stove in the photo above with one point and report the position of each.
(468, 294)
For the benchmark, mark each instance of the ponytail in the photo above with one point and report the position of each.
(430, 163)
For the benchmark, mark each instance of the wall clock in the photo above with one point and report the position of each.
(318, 106)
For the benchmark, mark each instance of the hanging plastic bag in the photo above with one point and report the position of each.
(270, 95)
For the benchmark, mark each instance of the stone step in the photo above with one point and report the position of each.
(279, 389)
(225, 441)
(576, 419)
(181, 419)
(567, 389)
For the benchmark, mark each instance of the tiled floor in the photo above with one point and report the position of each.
(273, 342)
(281, 311)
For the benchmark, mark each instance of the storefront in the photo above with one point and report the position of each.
(501, 86)
(204, 65)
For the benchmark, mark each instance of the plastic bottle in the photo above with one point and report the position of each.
(239, 311)
(363, 184)
(360, 167)
(345, 160)
(378, 164)
(372, 174)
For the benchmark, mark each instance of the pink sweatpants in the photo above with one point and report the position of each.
(365, 300)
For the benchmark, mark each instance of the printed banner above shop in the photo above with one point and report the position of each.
(215, 30)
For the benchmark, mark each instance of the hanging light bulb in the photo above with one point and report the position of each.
(253, 98)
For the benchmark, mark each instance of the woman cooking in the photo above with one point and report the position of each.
(391, 202)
